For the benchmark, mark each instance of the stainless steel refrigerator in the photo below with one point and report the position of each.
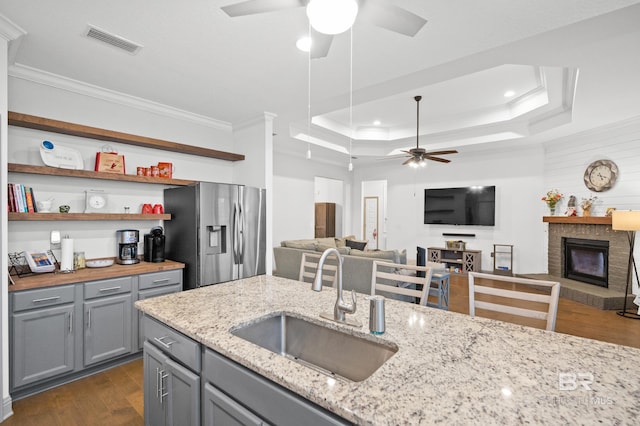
(217, 230)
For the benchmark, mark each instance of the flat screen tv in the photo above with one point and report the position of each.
(473, 205)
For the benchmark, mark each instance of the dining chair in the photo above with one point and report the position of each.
(527, 297)
(398, 279)
(309, 266)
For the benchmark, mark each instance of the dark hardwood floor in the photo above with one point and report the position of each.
(115, 397)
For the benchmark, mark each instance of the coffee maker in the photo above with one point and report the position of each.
(154, 245)
(127, 240)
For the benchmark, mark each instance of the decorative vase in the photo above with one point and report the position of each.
(586, 212)
(552, 211)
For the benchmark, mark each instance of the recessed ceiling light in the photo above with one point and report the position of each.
(377, 123)
(304, 44)
(509, 93)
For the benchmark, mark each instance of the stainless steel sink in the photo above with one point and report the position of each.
(330, 351)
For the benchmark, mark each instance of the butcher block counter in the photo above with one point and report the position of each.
(450, 368)
(90, 274)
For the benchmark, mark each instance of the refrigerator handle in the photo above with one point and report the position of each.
(236, 233)
(241, 235)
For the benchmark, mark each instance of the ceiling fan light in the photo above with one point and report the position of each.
(304, 44)
(332, 16)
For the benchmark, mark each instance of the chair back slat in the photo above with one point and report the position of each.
(505, 297)
(395, 278)
(309, 267)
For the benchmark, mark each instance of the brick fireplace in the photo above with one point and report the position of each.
(589, 228)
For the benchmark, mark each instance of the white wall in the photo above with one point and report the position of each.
(294, 187)
(97, 239)
(567, 159)
(517, 174)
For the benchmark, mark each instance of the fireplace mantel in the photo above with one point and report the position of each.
(578, 220)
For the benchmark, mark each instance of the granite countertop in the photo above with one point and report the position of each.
(450, 368)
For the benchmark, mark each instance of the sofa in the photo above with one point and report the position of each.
(357, 263)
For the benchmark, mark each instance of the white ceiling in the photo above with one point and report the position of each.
(573, 66)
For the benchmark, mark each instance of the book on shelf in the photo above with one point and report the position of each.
(21, 199)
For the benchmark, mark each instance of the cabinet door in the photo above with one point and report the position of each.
(42, 344)
(107, 328)
(219, 409)
(183, 395)
(154, 379)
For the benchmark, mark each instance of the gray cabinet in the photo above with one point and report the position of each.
(219, 409)
(43, 338)
(156, 284)
(247, 392)
(171, 377)
(107, 319)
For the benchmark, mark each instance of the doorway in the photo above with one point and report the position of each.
(374, 214)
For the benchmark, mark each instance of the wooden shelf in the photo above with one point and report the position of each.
(63, 127)
(88, 174)
(578, 220)
(86, 216)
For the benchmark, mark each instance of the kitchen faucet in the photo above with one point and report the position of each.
(340, 308)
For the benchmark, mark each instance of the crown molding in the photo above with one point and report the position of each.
(59, 82)
(10, 31)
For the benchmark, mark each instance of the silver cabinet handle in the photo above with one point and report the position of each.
(71, 322)
(163, 376)
(104, 290)
(157, 382)
(46, 299)
(164, 280)
(88, 318)
(166, 345)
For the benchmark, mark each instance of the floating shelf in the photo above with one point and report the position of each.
(86, 216)
(578, 220)
(63, 127)
(53, 171)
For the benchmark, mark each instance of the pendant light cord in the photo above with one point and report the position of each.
(309, 95)
(350, 97)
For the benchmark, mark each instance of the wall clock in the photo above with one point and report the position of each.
(95, 201)
(601, 175)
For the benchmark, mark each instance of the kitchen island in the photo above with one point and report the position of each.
(449, 368)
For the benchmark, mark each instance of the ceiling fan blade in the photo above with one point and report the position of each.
(410, 160)
(441, 160)
(391, 17)
(320, 44)
(451, 151)
(252, 7)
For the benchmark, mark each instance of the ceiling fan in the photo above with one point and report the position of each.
(378, 12)
(417, 155)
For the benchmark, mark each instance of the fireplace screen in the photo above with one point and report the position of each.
(586, 260)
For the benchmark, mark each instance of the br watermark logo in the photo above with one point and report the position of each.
(568, 381)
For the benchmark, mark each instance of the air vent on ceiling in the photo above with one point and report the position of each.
(112, 39)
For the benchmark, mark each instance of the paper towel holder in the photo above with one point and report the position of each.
(70, 270)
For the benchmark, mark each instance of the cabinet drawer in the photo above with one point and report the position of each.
(267, 399)
(172, 342)
(39, 298)
(107, 287)
(159, 279)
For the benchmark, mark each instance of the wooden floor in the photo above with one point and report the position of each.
(115, 397)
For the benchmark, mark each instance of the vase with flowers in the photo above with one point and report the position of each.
(586, 205)
(552, 198)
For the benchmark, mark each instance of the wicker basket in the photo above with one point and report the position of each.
(455, 245)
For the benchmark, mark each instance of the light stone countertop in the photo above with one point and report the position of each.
(450, 368)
